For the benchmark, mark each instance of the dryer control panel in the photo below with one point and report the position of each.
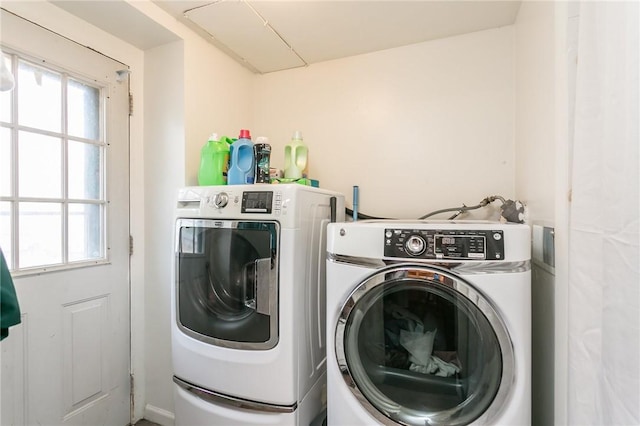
(444, 244)
(257, 201)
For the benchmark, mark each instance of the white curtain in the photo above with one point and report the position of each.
(604, 256)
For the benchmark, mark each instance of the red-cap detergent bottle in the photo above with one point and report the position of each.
(242, 162)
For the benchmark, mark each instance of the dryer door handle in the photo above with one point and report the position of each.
(261, 287)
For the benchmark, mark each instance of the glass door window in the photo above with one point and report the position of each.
(53, 201)
(227, 282)
(421, 346)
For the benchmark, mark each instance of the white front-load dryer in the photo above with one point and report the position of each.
(248, 306)
(429, 323)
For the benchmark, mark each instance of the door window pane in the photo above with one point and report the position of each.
(84, 170)
(5, 162)
(85, 232)
(40, 165)
(39, 97)
(84, 110)
(5, 231)
(40, 234)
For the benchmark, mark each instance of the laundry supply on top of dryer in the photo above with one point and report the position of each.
(296, 158)
(262, 153)
(241, 167)
(214, 161)
(275, 173)
(301, 181)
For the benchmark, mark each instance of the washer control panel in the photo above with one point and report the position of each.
(444, 244)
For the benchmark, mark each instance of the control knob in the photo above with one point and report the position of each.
(415, 245)
(220, 200)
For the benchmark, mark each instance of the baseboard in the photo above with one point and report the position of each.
(158, 415)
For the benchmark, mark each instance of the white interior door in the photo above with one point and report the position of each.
(68, 362)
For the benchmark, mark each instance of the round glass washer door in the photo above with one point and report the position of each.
(418, 345)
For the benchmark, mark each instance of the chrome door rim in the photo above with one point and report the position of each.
(457, 285)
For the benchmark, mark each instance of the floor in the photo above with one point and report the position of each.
(144, 422)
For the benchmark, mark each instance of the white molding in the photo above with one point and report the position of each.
(158, 415)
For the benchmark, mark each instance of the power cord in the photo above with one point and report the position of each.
(349, 212)
(510, 210)
(460, 210)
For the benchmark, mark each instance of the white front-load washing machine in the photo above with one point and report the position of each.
(429, 323)
(248, 306)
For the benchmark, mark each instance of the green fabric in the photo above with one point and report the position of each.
(9, 308)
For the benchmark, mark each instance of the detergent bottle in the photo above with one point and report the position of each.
(214, 162)
(296, 158)
(241, 167)
(261, 154)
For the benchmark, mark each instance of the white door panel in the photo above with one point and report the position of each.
(68, 362)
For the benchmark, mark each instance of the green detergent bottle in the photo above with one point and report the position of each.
(214, 161)
(296, 156)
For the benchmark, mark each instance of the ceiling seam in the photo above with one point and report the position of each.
(266, 24)
(228, 50)
(199, 7)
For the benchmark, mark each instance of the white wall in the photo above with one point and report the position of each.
(567, 24)
(535, 180)
(417, 128)
(218, 94)
(535, 108)
(538, 170)
(164, 173)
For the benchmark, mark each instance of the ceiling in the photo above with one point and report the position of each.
(272, 35)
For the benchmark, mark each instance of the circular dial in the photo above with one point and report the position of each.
(415, 245)
(220, 200)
